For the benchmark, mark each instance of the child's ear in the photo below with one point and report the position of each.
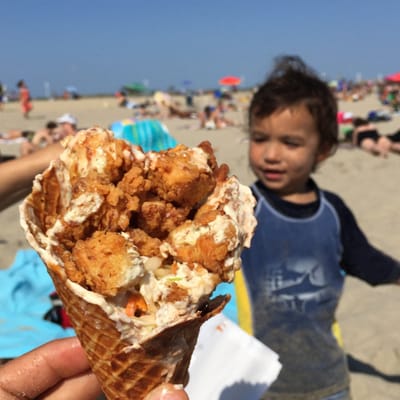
(323, 153)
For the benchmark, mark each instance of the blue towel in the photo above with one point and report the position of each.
(150, 134)
(24, 300)
(230, 309)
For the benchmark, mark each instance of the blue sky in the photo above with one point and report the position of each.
(99, 45)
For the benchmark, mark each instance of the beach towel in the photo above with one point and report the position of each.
(230, 310)
(344, 117)
(150, 134)
(25, 289)
(378, 116)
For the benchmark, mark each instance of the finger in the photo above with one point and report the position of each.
(44, 367)
(82, 387)
(168, 392)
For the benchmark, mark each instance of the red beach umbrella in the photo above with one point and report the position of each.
(229, 81)
(394, 77)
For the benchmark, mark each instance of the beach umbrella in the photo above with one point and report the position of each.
(150, 134)
(333, 84)
(394, 77)
(71, 89)
(162, 98)
(135, 87)
(230, 81)
(72, 92)
(186, 85)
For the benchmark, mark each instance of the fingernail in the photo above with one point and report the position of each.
(169, 393)
(165, 392)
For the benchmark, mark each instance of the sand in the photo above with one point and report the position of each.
(369, 317)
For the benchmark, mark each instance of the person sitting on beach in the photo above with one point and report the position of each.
(207, 118)
(176, 111)
(168, 108)
(221, 112)
(306, 241)
(123, 100)
(54, 132)
(67, 126)
(214, 118)
(39, 139)
(366, 136)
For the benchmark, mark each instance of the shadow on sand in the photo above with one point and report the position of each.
(360, 367)
(242, 390)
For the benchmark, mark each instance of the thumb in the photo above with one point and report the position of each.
(168, 392)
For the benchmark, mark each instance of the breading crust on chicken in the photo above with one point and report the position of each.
(136, 244)
(164, 227)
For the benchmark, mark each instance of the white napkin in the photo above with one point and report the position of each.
(229, 364)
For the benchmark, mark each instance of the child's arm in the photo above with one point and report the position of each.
(360, 258)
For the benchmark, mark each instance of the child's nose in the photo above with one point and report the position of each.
(272, 152)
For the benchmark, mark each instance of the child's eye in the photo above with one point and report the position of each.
(257, 137)
(291, 142)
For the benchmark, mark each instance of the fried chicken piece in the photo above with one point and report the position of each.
(207, 241)
(175, 293)
(107, 262)
(182, 176)
(97, 206)
(158, 218)
(206, 146)
(97, 155)
(110, 187)
(134, 182)
(219, 230)
(73, 273)
(88, 201)
(221, 173)
(146, 245)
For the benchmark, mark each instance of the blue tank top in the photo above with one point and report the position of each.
(294, 281)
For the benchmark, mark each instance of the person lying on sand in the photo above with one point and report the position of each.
(366, 136)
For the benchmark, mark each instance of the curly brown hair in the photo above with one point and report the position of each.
(291, 83)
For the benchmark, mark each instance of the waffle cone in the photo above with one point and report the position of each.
(133, 373)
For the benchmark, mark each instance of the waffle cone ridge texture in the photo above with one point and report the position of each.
(132, 373)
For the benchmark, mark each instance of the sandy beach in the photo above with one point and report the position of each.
(369, 317)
